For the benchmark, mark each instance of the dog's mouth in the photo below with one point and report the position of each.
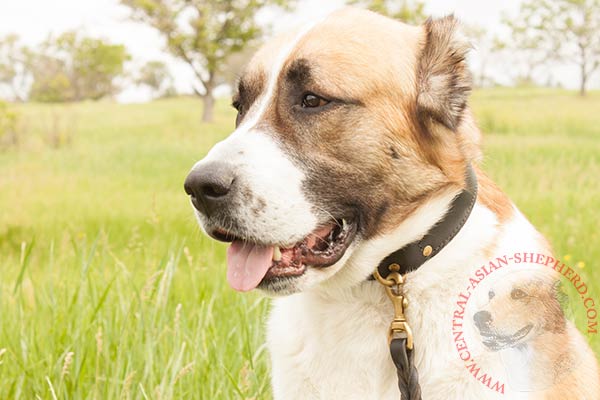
(249, 263)
(495, 342)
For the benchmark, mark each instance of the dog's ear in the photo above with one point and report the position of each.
(443, 77)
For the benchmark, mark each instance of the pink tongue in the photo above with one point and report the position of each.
(247, 264)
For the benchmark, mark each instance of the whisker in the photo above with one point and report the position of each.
(329, 214)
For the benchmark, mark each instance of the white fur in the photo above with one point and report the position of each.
(330, 342)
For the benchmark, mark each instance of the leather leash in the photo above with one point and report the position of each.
(390, 273)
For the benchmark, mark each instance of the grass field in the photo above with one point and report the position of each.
(109, 291)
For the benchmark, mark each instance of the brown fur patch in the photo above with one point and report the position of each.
(444, 127)
(345, 147)
(249, 88)
(444, 81)
(490, 195)
(367, 152)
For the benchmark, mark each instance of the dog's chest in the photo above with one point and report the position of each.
(329, 350)
(324, 349)
(334, 346)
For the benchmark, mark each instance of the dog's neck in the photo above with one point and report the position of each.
(362, 261)
(411, 256)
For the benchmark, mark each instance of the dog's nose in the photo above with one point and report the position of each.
(482, 319)
(209, 186)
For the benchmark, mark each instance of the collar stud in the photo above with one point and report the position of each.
(394, 267)
(427, 251)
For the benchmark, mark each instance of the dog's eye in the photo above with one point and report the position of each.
(491, 294)
(313, 101)
(517, 294)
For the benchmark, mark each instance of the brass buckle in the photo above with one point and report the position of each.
(399, 328)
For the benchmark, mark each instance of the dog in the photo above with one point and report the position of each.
(352, 138)
(524, 322)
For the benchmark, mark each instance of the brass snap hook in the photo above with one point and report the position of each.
(399, 327)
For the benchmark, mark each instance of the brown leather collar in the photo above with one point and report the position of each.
(415, 254)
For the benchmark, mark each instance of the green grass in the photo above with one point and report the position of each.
(109, 291)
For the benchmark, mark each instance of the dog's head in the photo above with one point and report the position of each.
(343, 129)
(521, 307)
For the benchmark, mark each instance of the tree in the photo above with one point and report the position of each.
(530, 49)
(203, 33)
(487, 47)
(12, 69)
(50, 81)
(409, 11)
(75, 68)
(94, 65)
(561, 30)
(156, 76)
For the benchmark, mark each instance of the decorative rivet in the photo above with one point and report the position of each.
(394, 267)
(427, 250)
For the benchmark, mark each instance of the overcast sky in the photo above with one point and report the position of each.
(34, 20)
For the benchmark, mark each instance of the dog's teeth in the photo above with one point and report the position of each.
(344, 223)
(276, 253)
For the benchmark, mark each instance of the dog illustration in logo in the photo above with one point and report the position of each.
(524, 322)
